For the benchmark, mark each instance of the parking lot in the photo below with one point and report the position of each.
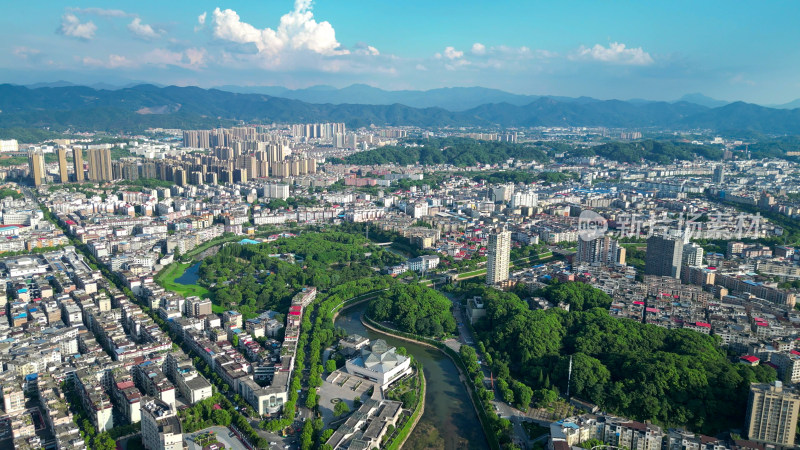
(222, 435)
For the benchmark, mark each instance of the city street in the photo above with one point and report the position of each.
(503, 410)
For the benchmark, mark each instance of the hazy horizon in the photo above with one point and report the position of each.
(619, 50)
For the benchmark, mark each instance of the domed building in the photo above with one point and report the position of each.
(379, 363)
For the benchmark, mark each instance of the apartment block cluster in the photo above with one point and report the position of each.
(260, 373)
(25, 229)
(68, 333)
(619, 432)
(770, 422)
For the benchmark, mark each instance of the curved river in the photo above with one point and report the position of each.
(449, 420)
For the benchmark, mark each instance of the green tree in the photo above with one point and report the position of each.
(311, 399)
(104, 442)
(330, 365)
(341, 409)
(221, 417)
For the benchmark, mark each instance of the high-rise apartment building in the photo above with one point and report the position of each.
(77, 161)
(602, 250)
(36, 163)
(692, 255)
(772, 412)
(63, 173)
(498, 255)
(100, 164)
(13, 399)
(719, 174)
(664, 256)
(161, 428)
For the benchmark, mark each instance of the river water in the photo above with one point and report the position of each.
(449, 421)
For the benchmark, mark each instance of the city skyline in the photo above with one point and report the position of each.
(609, 50)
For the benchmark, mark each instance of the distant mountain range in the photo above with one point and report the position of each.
(142, 106)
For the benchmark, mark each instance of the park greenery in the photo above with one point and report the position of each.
(8, 161)
(166, 279)
(8, 192)
(521, 176)
(456, 151)
(415, 309)
(248, 279)
(641, 371)
(30, 135)
(658, 151)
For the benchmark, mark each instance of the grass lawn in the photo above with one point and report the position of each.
(474, 272)
(167, 280)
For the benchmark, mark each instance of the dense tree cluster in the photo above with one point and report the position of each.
(456, 151)
(520, 176)
(773, 148)
(414, 309)
(659, 151)
(645, 372)
(579, 296)
(247, 278)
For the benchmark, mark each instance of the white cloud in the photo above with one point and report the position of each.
(71, 26)
(192, 58)
(364, 49)
(297, 30)
(478, 49)
(740, 79)
(113, 62)
(26, 52)
(451, 53)
(143, 30)
(201, 22)
(196, 57)
(615, 53)
(421, 67)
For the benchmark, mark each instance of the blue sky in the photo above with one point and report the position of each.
(604, 49)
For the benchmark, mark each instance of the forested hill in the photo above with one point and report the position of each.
(456, 151)
(467, 152)
(645, 372)
(133, 109)
(662, 152)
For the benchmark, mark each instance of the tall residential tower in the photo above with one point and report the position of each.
(498, 255)
(772, 411)
(100, 164)
(664, 256)
(36, 163)
(77, 161)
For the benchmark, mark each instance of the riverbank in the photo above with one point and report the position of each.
(412, 422)
(455, 358)
(405, 432)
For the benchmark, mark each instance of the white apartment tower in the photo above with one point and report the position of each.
(497, 256)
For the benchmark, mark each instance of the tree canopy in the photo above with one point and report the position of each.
(248, 279)
(455, 151)
(659, 151)
(414, 308)
(645, 372)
